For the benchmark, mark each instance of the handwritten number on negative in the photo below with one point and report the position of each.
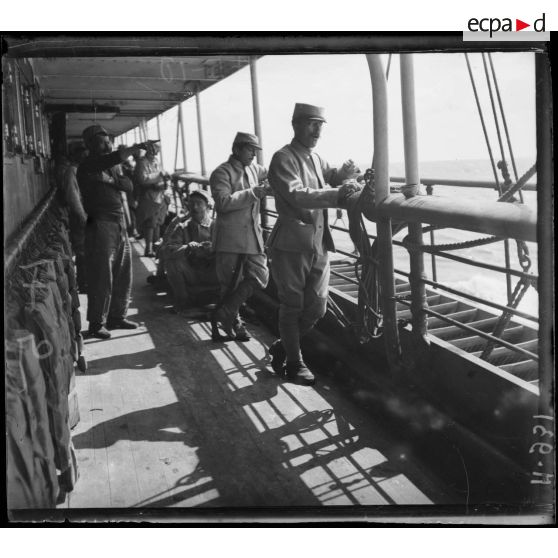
(546, 478)
(542, 431)
(543, 448)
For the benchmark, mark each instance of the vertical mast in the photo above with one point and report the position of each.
(381, 182)
(412, 180)
(258, 132)
(182, 135)
(256, 106)
(161, 139)
(200, 130)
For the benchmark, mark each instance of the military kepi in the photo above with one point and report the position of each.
(249, 139)
(311, 112)
(90, 132)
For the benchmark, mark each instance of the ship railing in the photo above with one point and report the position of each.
(507, 223)
(486, 184)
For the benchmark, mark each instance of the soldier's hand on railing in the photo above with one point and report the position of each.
(347, 190)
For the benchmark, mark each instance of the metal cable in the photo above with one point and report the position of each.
(504, 121)
(503, 166)
(504, 319)
(434, 248)
(494, 112)
(508, 194)
(479, 108)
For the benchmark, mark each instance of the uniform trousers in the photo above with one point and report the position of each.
(302, 280)
(109, 271)
(254, 267)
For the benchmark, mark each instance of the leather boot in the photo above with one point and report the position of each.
(148, 244)
(241, 333)
(299, 373)
(278, 357)
(227, 312)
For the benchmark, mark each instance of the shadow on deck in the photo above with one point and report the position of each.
(170, 418)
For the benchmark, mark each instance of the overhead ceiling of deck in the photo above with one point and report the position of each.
(120, 92)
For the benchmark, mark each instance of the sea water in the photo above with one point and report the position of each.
(482, 283)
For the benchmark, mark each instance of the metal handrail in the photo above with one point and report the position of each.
(441, 286)
(460, 259)
(460, 183)
(16, 246)
(476, 331)
(343, 276)
(473, 298)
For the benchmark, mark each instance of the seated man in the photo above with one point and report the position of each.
(188, 254)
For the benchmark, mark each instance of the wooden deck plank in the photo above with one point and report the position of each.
(121, 464)
(149, 471)
(173, 454)
(93, 487)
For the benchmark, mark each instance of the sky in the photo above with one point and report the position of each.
(448, 124)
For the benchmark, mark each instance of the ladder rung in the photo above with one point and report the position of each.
(526, 369)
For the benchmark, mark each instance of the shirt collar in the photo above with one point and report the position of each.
(299, 147)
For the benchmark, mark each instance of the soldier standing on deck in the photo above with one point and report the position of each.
(107, 247)
(241, 263)
(301, 238)
(152, 207)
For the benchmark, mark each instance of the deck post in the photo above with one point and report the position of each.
(381, 174)
(182, 135)
(416, 257)
(177, 140)
(161, 139)
(200, 130)
(258, 132)
(545, 236)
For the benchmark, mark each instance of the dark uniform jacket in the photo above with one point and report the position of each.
(101, 181)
